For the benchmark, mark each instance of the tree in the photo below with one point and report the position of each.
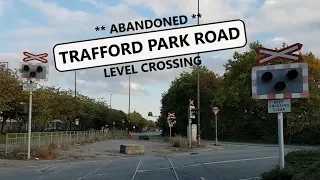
(176, 100)
(249, 119)
(10, 94)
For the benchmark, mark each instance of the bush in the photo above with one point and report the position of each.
(179, 141)
(311, 173)
(49, 152)
(300, 165)
(277, 174)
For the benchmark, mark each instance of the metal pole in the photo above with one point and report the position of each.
(189, 133)
(29, 123)
(281, 141)
(110, 100)
(198, 87)
(75, 83)
(170, 131)
(216, 119)
(75, 93)
(129, 99)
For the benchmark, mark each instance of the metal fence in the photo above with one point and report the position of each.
(19, 141)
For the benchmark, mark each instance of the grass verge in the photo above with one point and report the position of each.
(299, 165)
(2, 138)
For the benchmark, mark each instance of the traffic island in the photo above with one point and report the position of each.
(132, 149)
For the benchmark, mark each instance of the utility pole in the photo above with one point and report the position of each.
(110, 101)
(198, 86)
(129, 98)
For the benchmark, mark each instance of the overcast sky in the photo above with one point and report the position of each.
(37, 25)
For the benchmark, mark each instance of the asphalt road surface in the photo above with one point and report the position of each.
(240, 161)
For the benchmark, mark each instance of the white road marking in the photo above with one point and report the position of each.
(94, 170)
(47, 167)
(237, 160)
(134, 175)
(253, 178)
(175, 173)
(202, 178)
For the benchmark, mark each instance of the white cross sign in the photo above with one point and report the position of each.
(171, 116)
(191, 102)
(38, 57)
(285, 54)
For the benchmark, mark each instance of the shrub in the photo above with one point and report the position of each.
(277, 174)
(300, 165)
(179, 141)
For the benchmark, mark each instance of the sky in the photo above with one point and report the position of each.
(37, 25)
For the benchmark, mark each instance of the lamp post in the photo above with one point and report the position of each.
(123, 123)
(215, 111)
(110, 100)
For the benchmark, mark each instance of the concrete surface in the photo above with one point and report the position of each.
(132, 149)
(239, 161)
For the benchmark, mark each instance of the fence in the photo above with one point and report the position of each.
(19, 141)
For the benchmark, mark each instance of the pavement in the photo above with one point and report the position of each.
(239, 161)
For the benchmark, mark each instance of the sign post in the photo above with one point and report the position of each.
(32, 72)
(280, 83)
(171, 116)
(215, 111)
(191, 116)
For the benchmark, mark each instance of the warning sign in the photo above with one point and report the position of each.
(149, 45)
(278, 106)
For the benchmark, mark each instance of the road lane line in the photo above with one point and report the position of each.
(237, 160)
(202, 178)
(175, 173)
(253, 178)
(94, 170)
(134, 175)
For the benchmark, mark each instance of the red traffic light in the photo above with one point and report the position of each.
(279, 86)
(267, 76)
(26, 68)
(32, 74)
(292, 74)
(39, 69)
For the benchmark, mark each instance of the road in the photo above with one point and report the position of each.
(237, 162)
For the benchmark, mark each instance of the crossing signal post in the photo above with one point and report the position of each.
(31, 73)
(171, 121)
(192, 115)
(280, 83)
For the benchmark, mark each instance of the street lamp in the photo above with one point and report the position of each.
(215, 111)
(123, 123)
(113, 124)
(110, 100)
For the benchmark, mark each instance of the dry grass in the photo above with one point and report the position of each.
(49, 152)
(181, 142)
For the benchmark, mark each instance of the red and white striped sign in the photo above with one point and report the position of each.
(304, 94)
(171, 116)
(38, 57)
(172, 122)
(285, 54)
(191, 102)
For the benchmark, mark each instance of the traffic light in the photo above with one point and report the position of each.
(279, 79)
(192, 112)
(31, 71)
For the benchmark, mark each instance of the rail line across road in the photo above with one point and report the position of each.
(235, 163)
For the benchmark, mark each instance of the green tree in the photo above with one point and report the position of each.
(176, 100)
(249, 119)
